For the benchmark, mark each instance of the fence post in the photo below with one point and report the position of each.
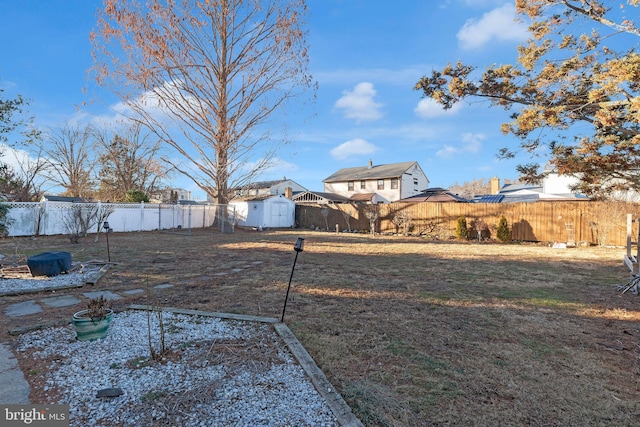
(45, 219)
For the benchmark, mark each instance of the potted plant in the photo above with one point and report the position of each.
(93, 323)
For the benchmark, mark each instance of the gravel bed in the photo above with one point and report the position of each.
(215, 373)
(23, 283)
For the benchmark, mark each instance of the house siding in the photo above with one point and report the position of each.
(406, 186)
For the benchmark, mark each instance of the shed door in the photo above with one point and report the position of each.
(280, 215)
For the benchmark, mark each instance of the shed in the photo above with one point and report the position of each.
(265, 211)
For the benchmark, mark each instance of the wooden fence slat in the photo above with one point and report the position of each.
(543, 221)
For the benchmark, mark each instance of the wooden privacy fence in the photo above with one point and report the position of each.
(601, 223)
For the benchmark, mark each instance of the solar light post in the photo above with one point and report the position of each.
(105, 225)
(298, 247)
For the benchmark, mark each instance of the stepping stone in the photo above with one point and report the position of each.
(222, 273)
(163, 286)
(15, 389)
(257, 262)
(133, 291)
(61, 301)
(23, 309)
(108, 295)
(237, 270)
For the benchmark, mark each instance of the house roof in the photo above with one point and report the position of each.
(257, 198)
(362, 197)
(435, 194)
(266, 184)
(391, 170)
(52, 198)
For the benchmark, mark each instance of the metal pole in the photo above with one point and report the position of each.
(289, 287)
(108, 251)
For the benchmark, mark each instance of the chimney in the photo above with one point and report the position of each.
(495, 185)
(288, 193)
(370, 164)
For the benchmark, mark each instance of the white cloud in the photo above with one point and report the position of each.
(496, 25)
(354, 147)
(428, 109)
(359, 104)
(471, 144)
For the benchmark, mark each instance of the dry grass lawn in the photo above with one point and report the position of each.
(412, 332)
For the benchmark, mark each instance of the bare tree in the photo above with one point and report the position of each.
(402, 220)
(324, 212)
(26, 182)
(71, 161)
(372, 214)
(206, 77)
(129, 161)
(346, 215)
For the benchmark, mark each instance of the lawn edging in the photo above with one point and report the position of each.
(334, 400)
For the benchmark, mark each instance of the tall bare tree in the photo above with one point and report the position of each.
(207, 77)
(575, 90)
(129, 160)
(26, 182)
(71, 159)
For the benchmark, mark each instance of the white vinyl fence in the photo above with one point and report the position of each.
(50, 218)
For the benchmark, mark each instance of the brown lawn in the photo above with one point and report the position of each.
(412, 332)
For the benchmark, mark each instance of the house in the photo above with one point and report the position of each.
(378, 183)
(552, 187)
(170, 195)
(435, 194)
(264, 211)
(268, 188)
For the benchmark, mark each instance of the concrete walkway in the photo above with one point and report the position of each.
(15, 389)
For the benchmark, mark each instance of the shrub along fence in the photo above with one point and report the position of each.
(601, 223)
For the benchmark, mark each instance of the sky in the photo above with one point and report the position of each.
(366, 56)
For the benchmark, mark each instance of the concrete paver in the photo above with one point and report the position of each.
(15, 389)
(108, 295)
(61, 301)
(133, 291)
(23, 308)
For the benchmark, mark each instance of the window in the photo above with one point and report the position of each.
(394, 183)
(415, 181)
(381, 184)
(363, 185)
(350, 185)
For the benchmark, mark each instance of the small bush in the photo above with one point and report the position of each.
(462, 232)
(5, 221)
(503, 233)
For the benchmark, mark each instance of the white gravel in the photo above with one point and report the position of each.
(200, 387)
(21, 283)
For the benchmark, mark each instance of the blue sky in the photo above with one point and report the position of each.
(366, 56)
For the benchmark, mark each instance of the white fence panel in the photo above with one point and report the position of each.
(48, 218)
